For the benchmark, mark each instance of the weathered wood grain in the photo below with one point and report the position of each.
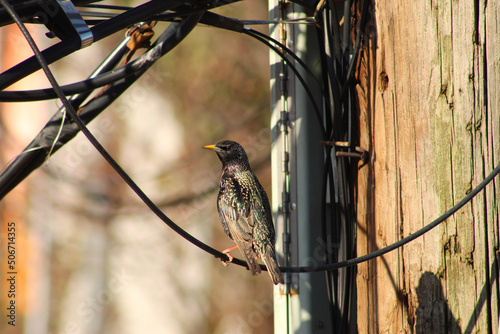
(428, 92)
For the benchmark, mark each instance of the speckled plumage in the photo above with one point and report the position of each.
(244, 209)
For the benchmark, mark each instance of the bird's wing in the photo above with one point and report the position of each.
(264, 235)
(261, 211)
(235, 210)
(236, 215)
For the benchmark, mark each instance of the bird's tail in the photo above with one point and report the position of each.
(269, 258)
(251, 257)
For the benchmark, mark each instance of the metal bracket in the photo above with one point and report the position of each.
(360, 153)
(63, 20)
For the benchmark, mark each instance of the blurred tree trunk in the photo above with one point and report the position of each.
(18, 123)
(428, 90)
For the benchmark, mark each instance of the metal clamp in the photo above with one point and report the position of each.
(63, 20)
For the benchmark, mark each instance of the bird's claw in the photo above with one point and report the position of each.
(226, 263)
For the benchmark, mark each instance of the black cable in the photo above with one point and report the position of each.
(103, 15)
(76, 88)
(299, 77)
(291, 53)
(362, 24)
(107, 7)
(52, 137)
(71, 89)
(333, 102)
(100, 31)
(236, 25)
(403, 241)
(327, 173)
(85, 85)
(335, 231)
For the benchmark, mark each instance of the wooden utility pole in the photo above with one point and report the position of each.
(429, 99)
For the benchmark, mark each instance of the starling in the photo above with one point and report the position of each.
(244, 210)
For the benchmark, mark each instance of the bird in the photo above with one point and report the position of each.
(244, 210)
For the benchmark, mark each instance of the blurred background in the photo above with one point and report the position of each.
(90, 256)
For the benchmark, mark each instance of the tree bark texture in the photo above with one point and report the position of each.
(429, 97)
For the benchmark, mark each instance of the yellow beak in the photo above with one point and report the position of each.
(211, 147)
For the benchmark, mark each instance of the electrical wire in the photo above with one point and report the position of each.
(299, 77)
(74, 88)
(336, 220)
(405, 240)
(294, 56)
(81, 86)
(362, 24)
(71, 44)
(106, 6)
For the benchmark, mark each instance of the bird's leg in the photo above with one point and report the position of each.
(226, 251)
